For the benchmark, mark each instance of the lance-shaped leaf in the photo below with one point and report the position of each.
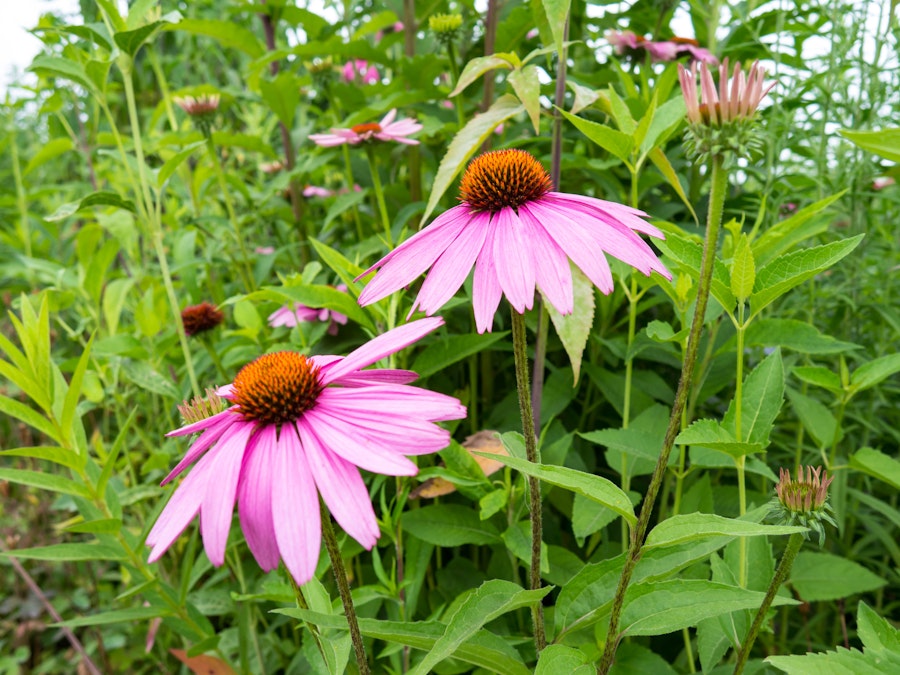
(573, 329)
(761, 399)
(692, 526)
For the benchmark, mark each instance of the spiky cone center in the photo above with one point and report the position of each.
(276, 388)
(503, 178)
(201, 408)
(200, 318)
(369, 129)
(445, 26)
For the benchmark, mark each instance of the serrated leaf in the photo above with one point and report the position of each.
(101, 198)
(556, 659)
(711, 434)
(621, 114)
(449, 525)
(575, 328)
(489, 601)
(527, 86)
(584, 96)
(593, 487)
(787, 233)
(792, 269)
(143, 375)
(872, 372)
(690, 527)
(823, 576)
(840, 662)
(815, 417)
(689, 255)
(466, 142)
(876, 463)
(611, 140)
(438, 355)
(876, 633)
(743, 269)
(478, 67)
(57, 66)
(763, 394)
(819, 376)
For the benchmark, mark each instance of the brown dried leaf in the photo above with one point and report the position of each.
(485, 440)
(203, 664)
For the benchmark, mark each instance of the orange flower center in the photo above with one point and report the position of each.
(503, 178)
(684, 41)
(371, 127)
(277, 388)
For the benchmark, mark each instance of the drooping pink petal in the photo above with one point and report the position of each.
(255, 498)
(365, 452)
(224, 467)
(395, 400)
(401, 432)
(181, 509)
(552, 272)
(486, 289)
(204, 441)
(341, 487)
(295, 507)
(203, 424)
(513, 260)
(451, 269)
(379, 376)
(380, 347)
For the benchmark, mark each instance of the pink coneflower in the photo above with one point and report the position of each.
(292, 314)
(735, 101)
(627, 42)
(693, 49)
(385, 130)
(316, 191)
(204, 104)
(397, 27)
(360, 71)
(518, 233)
(882, 182)
(298, 428)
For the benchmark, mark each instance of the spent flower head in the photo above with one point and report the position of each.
(202, 109)
(803, 500)
(201, 318)
(445, 26)
(201, 408)
(722, 121)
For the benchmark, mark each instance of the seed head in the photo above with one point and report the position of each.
(803, 500)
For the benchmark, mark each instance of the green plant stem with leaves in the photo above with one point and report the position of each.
(379, 195)
(740, 462)
(454, 72)
(718, 189)
(784, 567)
(340, 576)
(532, 454)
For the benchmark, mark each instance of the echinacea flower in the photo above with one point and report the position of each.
(300, 428)
(316, 191)
(628, 43)
(292, 314)
(385, 130)
(722, 121)
(200, 318)
(519, 234)
(803, 500)
(360, 71)
(204, 104)
(693, 49)
(882, 182)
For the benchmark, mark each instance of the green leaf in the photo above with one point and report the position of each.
(823, 576)
(57, 455)
(815, 417)
(611, 140)
(101, 198)
(557, 12)
(689, 254)
(792, 269)
(573, 329)
(438, 355)
(784, 235)
(876, 463)
(527, 86)
(518, 542)
(668, 606)
(840, 662)
(819, 376)
(226, 33)
(799, 336)
(743, 270)
(44, 481)
(100, 526)
(32, 418)
(593, 487)
(282, 95)
(666, 119)
(68, 552)
(345, 269)
(466, 142)
(172, 164)
(143, 375)
(556, 659)
(74, 391)
(491, 600)
(876, 633)
(57, 66)
(130, 41)
(872, 372)
(883, 142)
(711, 434)
(449, 525)
(661, 162)
(117, 616)
(49, 150)
(621, 114)
(690, 527)
(584, 96)
(479, 66)
(763, 394)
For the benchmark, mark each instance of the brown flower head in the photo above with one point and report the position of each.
(200, 318)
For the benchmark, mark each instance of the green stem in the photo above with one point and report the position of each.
(348, 170)
(244, 264)
(153, 221)
(741, 461)
(784, 567)
(454, 72)
(379, 195)
(21, 202)
(214, 357)
(714, 220)
(532, 453)
(340, 576)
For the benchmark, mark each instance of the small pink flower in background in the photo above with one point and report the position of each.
(518, 234)
(447, 104)
(788, 208)
(499, 129)
(316, 191)
(533, 33)
(298, 428)
(385, 130)
(396, 28)
(693, 49)
(292, 314)
(627, 42)
(360, 71)
(882, 182)
(264, 250)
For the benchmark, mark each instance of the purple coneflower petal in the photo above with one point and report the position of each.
(255, 498)
(513, 260)
(552, 272)
(181, 509)
(486, 290)
(395, 400)
(204, 441)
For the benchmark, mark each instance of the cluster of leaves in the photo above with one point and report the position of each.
(118, 211)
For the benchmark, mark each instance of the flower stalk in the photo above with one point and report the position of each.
(532, 454)
(718, 190)
(379, 195)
